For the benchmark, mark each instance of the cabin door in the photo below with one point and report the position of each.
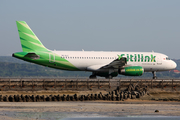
(159, 60)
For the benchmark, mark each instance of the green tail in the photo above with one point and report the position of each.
(29, 41)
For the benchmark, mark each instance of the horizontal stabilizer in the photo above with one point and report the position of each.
(32, 56)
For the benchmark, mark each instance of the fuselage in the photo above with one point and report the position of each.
(150, 61)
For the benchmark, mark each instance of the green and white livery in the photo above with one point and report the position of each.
(104, 64)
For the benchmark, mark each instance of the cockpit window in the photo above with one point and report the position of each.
(168, 58)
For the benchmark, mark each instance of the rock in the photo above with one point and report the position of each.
(58, 97)
(23, 98)
(64, 97)
(129, 95)
(100, 96)
(113, 92)
(133, 96)
(1, 98)
(79, 97)
(109, 97)
(17, 98)
(118, 89)
(138, 95)
(132, 87)
(92, 97)
(121, 95)
(113, 98)
(28, 99)
(43, 98)
(47, 98)
(152, 98)
(68, 98)
(82, 98)
(11, 99)
(96, 97)
(5, 99)
(116, 92)
(165, 99)
(33, 98)
(148, 93)
(118, 97)
(37, 98)
(72, 98)
(156, 111)
(75, 97)
(125, 96)
(137, 88)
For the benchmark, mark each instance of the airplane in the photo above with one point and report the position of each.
(103, 64)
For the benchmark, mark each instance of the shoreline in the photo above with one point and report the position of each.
(69, 109)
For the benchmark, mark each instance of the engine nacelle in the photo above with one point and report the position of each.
(132, 71)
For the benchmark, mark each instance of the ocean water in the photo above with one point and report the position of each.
(128, 118)
(55, 115)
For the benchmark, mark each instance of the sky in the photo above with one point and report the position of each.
(94, 25)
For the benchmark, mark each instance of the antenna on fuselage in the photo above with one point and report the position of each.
(152, 51)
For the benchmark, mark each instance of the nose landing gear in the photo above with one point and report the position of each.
(109, 77)
(154, 74)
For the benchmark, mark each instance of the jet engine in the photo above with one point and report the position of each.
(132, 71)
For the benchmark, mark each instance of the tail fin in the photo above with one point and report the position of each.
(29, 40)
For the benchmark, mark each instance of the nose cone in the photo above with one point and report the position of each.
(173, 65)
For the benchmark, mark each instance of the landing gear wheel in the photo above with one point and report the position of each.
(92, 77)
(109, 77)
(154, 74)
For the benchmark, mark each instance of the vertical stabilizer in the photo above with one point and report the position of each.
(29, 40)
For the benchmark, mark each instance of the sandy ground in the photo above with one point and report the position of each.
(44, 92)
(145, 106)
(60, 110)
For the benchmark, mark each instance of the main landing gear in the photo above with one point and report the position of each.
(109, 77)
(154, 74)
(92, 77)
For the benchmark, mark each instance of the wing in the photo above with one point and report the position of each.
(116, 63)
